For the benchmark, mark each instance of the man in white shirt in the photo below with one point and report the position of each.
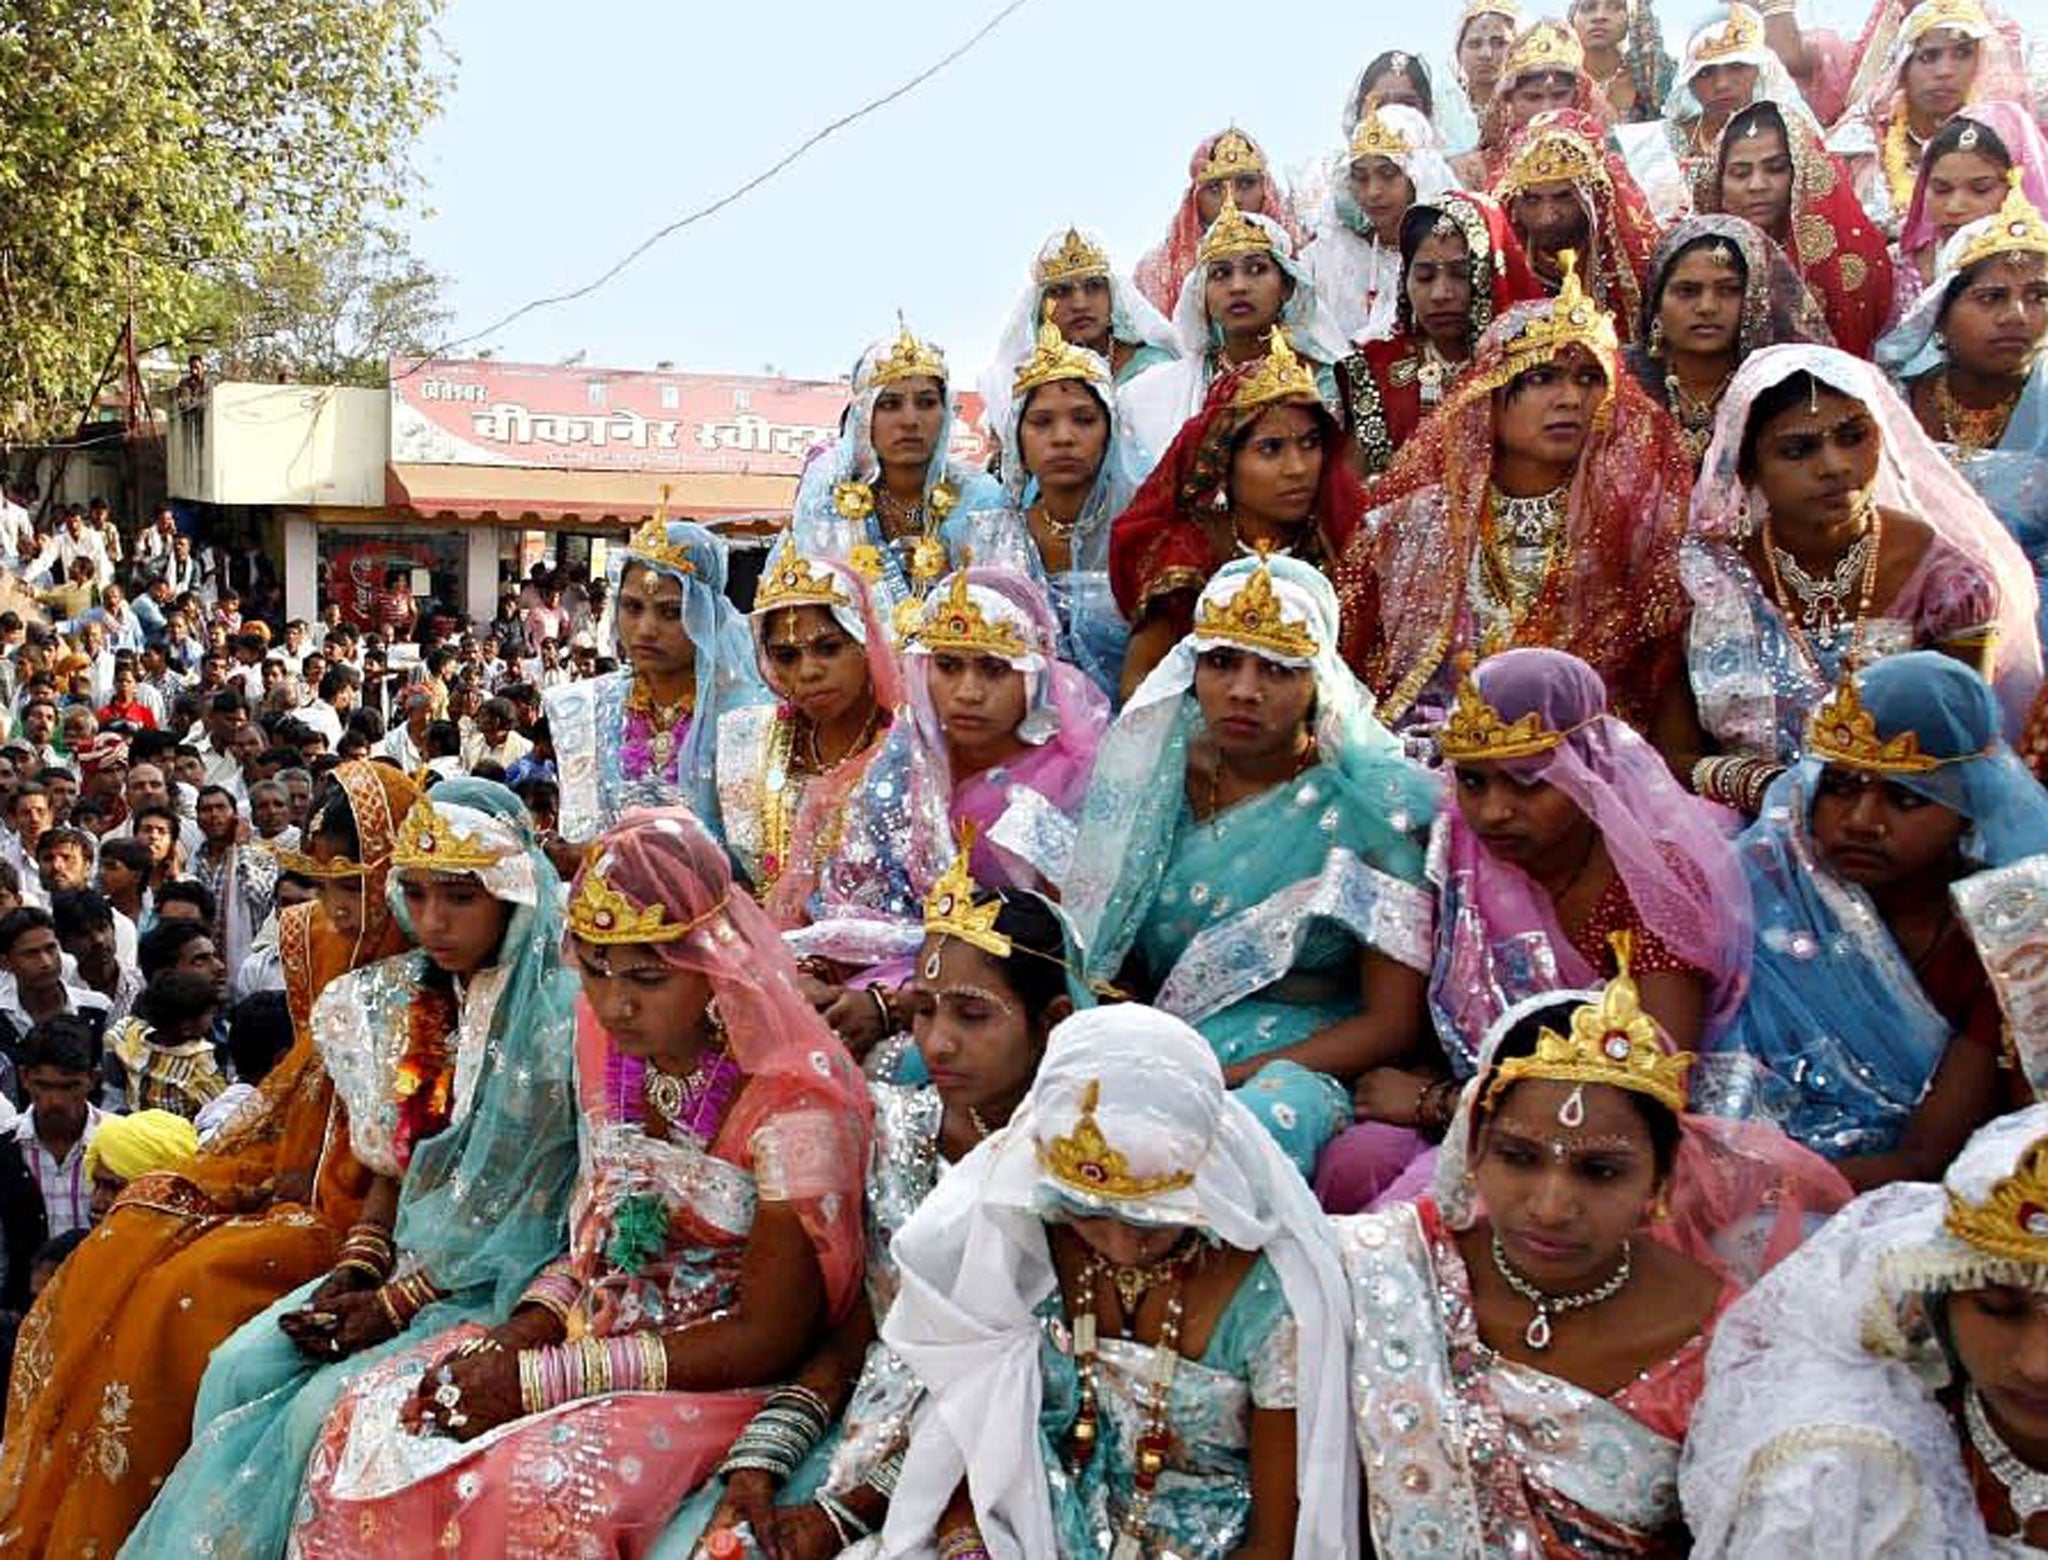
(76, 539)
(226, 713)
(405, 744)
(153, 546)
(329, 713)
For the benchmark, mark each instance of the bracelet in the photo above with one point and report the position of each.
(848, 1527)
(556, 1292)
(882, 1007)
(402, 1299)
(796, 1394)
(884, 1479)
(358, 1265)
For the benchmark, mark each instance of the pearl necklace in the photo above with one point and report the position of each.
(1537, 1334)
(2025, 1488)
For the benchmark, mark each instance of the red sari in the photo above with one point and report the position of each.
(1161, 551)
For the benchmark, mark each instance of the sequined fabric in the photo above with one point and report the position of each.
(359, 1025)
(588, 721)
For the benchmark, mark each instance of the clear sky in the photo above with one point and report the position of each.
(574, 131)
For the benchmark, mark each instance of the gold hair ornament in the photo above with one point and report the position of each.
(1612, 1041)
(428, 839)
(956, 622)
(1741, 33)
(1554, 154)
(1477, 732)
(1084, 1160)
(1074, 259)
(2012, 1221)
(1233, 154)
(1545, 46)
(1054, 358)
(909, 358)
(1965, 16)
(651, 545)
(1280, 376)
(601, 914)
(1375, 137)
(1844, 733)
(1571, 319)
(792, 581)
(1255, 619)
(1232, 233)
(950, 910)
(2017, 230)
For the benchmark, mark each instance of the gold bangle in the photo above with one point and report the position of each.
(655, 1350)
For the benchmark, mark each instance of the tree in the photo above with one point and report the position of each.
(152, 151)
(333, 316)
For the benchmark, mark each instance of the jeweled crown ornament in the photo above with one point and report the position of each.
(956, 622)
(1232, 233)
(2016, 230)
(1612, 1041)
(2012, 1221)
(950, 910)
(1965, 16)
(1084, 1160)
(428, 839)
(909, 358)
(1055, 358)
(1256, 619)
(1477, 733)
(1280, 376)
(1844, 733)
(1075, 259)
(1545, 46)
(651, 545)
(1571, 319)
(600, 914)
(792, 580)
(1552, 153)
(1232, 155)
(1741, 33)
(1377, 137)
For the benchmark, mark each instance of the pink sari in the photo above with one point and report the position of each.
(604, 1475)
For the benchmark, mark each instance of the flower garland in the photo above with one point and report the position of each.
(424, 1081)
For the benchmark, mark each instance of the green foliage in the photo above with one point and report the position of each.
(156, 152)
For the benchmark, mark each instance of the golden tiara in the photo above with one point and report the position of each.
(1375, 137)
(1232, 155)
(1280, 376)
(1545, 46)
(950, 910)
(1254, 618)
(601, 914)
(792, 581)
(955, 621)
(2017, 230)
(1474, 9)
(909, 358)
(1552, 154)
(651, 545)
(1966, 16)
(1075, 258)
(1613, 1041)
(1053, 358)
(332, 870)
(1571, 319)
(428, 839)
(1232, 233)
(1844, 733)
(1477, 732)
(2012, 1222)
(1741, 33)
(1084, 1160)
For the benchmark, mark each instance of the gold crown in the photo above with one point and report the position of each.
(1545, 46)
(1741, 33)
(1477, 733)
(955, 621)
(601, 914)
(333, 869)
(1085, 1161)
(1054, 358)
(1374, 137)
(428, 839)
(1966, 16)
(650, 544)
(1232, 154)
(791, 581)
(1280, 376)
(1843, 732)
(1613, 1041)
(950, 910)
(1075, 257)
(2017, 229)
(1232, 233)
(1571, 319)
(1552, 154)
(909, 358)
(1254, 618)
(1474, 9)
(2012, 1222)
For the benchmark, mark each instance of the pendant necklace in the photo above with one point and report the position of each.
(1537, 1334)
(2025, 1488)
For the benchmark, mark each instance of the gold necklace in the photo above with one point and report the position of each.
(1901, 163)
(1853, 657)
(814, 755)
(1063, 529)
(1967, 428)
(1695, 413)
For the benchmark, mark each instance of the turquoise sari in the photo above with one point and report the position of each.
(483, 1206)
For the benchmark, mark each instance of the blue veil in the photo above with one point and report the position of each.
(1835, 1015)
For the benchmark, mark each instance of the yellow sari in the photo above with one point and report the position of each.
(107, 1366)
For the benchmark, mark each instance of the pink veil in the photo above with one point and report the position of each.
(818, 819)
(1162, 270)
(797, 1073)
(1668, 847)
(1881, 56)
(2023, 142)
(1913, 476)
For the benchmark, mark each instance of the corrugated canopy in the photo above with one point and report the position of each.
(540, 497)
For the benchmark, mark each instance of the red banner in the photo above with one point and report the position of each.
(477, 413)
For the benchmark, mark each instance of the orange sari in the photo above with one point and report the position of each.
(107, 1366)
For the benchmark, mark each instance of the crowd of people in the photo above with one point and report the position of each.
(1413, 929)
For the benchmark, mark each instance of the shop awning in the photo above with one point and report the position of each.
(537, 497)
